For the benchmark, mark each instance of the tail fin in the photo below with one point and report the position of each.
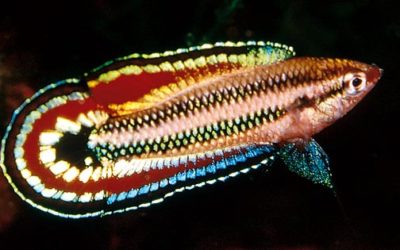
(29, 158)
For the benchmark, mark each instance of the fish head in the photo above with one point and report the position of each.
(356, 79)
(332, 88)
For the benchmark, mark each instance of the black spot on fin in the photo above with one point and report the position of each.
(307, 160)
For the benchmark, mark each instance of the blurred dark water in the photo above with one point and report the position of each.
(41, 42)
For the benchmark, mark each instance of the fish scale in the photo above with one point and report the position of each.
(241, 84)
(141, 128)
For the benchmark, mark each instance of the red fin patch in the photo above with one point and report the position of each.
(135, 80)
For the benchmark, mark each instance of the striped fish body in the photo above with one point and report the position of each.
(141, 128)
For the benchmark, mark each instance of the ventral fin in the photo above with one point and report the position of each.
(137, 82)
(308, 160)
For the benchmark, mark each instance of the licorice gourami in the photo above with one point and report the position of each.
(136, 130)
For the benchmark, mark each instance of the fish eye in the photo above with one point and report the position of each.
(354, 83)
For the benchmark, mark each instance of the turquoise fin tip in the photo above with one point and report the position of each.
(309, 161)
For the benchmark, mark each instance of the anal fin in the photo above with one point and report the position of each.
(167, 176)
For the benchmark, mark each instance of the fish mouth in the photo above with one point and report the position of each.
(374, 73)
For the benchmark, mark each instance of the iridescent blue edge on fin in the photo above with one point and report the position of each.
(309, 161)
(246, 159)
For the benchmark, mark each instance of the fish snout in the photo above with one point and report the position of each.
(374, 73)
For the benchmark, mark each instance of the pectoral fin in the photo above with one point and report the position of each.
(309, 161)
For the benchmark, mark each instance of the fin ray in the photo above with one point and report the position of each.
(191, 171)
(136, 82)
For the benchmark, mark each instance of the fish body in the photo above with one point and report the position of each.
(140, 128)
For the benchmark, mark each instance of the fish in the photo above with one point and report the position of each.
(141, 128)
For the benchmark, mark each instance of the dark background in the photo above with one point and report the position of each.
(41, 42)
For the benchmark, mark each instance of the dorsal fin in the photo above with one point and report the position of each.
(138, 81)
